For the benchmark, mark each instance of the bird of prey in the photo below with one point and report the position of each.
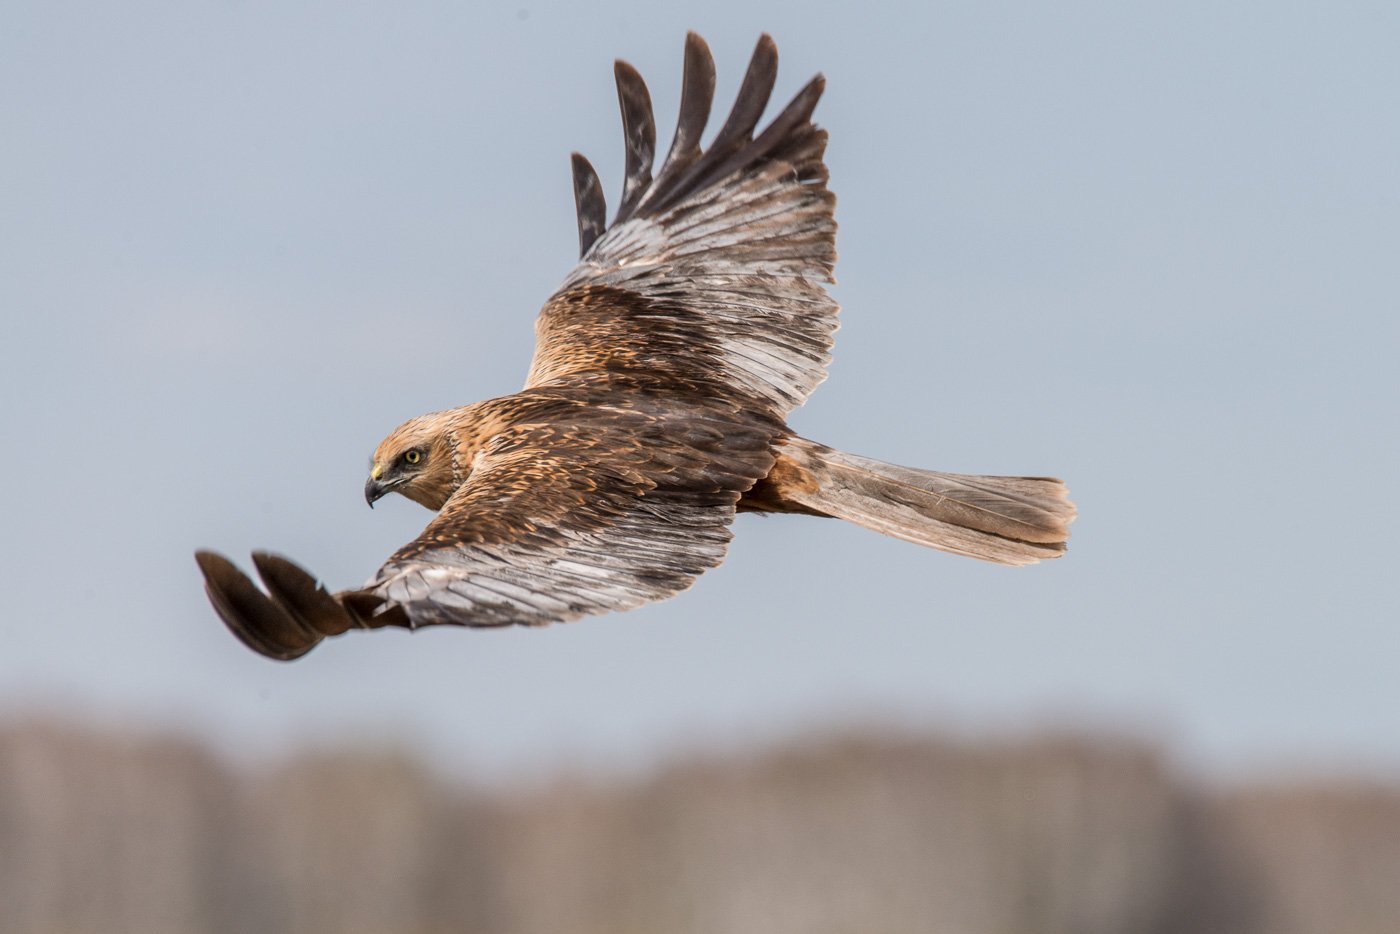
(654, 409)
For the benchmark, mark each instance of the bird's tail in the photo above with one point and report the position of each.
(1009, 520)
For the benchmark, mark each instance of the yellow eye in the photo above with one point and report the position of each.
(412, 457)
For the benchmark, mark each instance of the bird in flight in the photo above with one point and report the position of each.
(654, 409)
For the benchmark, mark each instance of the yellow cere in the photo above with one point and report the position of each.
(375, 471)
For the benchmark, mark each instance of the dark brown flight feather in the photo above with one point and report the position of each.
(639, 131)
(263, 624)
(697, 94)
(737, 130)
(589, 202)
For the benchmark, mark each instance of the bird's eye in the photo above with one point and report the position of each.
(412, 457)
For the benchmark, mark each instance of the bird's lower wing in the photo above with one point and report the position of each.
(555, 522)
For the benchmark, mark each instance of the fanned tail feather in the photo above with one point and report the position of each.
(1008, 520)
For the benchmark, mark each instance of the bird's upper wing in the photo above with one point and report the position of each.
(617, 508)
(714, 269)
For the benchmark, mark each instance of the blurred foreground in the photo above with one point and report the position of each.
(112, 834)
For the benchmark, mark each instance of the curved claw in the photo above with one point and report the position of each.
(259, 623)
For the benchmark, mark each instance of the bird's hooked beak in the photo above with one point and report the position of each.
(374, 487)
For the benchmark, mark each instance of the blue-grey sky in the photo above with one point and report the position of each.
(1151, 248)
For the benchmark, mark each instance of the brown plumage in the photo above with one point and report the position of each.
(654, 408)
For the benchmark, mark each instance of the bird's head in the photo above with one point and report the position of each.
(415, 460)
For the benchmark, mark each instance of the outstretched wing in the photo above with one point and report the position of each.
(713, 270)
(556, 521)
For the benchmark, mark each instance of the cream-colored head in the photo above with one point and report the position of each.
(417, 461)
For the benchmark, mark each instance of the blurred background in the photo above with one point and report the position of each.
(1149, 249)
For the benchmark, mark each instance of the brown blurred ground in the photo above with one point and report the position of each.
(113, 834)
